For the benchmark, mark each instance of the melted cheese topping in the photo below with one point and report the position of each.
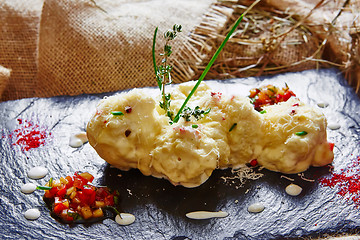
(142, 138)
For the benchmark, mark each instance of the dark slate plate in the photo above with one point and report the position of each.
(159, 207)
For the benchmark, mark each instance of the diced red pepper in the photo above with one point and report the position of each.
(287, 95)
(92, 198)
(61, 192)
(331, 146)
(58, 208)
(88, 190)
(82, 197)
(54, 190)
(101, 194)
(109, 200)
(70, 182)
(79, 182)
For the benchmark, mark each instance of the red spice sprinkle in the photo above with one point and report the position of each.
(29, 135)
(347, 182)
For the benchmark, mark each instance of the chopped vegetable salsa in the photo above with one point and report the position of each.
(269, 95)
(73, 198)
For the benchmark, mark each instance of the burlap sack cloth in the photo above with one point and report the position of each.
(106, 48)
(59, 47)
(4, 78)
(19, 21)
(70, 47)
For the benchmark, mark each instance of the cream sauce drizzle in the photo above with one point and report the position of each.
(37, 172)
(334, 126)
(293, 189)
(322, 104)
(28, 188)
(78, 139)
(32, 214)
(256, 207)
(206, 214)
(125, 219)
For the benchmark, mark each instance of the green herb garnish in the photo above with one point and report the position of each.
(74, 215)
(232, 127)
(262, 112)
(302, 133)
(43, 188)
(194, 126)
(117, 113)
(197, 113)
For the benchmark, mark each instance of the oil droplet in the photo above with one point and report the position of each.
(206, 214)
(293, 189)
(37, 172)
(32, 214)
(256, 207)
(125, 219)
(28, 188)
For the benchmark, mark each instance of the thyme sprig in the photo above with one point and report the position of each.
(163, 71)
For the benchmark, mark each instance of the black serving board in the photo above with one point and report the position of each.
(159, 207)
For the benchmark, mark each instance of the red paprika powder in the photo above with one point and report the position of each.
(347, 182)
(29, 135)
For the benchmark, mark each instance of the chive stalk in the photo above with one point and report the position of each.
(43, 188)
(232, 127)
(117, 113)
(302, 133)
(177, 117)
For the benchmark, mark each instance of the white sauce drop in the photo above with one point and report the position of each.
(334, 126)
(37, 172)
(78, 139)
(32, 214)
(323, 104)
(125, 219)
(293, 189)
(28, 188)
(256, 207)
(206, 215)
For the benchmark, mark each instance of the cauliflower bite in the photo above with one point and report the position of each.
(294, 138)
(126, 140)
(130, 130)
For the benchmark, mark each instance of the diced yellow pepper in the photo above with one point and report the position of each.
(98, 213)
(86, 212)
(99, 204)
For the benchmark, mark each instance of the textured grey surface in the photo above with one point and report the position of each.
(159, 207)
